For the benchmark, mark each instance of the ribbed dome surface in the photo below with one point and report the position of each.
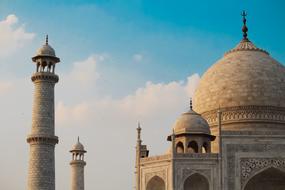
(191, 123)
(245, 76)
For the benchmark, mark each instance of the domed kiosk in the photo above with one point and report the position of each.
(238, 118)
(192, 133)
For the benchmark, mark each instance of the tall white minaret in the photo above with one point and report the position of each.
(42, 139)
(77, 166)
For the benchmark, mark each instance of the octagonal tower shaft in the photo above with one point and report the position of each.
(42, 140)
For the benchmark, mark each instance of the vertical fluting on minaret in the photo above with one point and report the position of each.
(42, 139)
(77, 166)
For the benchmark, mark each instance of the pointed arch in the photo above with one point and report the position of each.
(155, 183)
(205, 148)
(179, 147)
(192, 147)
(268, 179)
(196, 181)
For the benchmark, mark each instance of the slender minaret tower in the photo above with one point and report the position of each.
(42, 139)
(77, 166)
(141, 152)
(138, 156)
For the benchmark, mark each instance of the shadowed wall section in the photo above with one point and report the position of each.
(197, 182)
(269, 179)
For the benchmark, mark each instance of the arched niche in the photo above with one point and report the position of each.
(196, 181)
(192, 147)
(205, 148)
(155, 183)
(180, 147)
(268, 179)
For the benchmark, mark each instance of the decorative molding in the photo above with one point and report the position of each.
(156, 158)
(197, 155)
(239, 114)
(251, 166)
(36, 139)
(44, 76)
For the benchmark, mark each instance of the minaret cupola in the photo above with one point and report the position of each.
(45, 58)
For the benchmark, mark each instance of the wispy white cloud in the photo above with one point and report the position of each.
(149, 102)
(84, 73)
(138, 57)
(106, 124)
(12, 35)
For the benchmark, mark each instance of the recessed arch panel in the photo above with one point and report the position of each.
(196, 182)
(156, 183)
(268, 179)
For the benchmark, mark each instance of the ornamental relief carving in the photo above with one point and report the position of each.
(161, 174)
(251, 166)
(244, 113)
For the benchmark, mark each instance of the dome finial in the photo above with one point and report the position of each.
(191, 106)
(47, 39)
(78, 139)
(139, 131)
(244, 28)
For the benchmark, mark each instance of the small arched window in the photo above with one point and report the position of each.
(205, 148)
(192, 147)
(180, 147)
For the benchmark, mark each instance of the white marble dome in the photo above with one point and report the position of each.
(245, 76)
(191, 123)
(78, 147)
(46, 50)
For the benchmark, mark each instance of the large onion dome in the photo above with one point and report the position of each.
(248, 85)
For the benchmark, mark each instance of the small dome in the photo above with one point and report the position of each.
(78, 147)
(191, 123)
(46, 50)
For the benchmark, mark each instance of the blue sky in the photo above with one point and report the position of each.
(122, 62)
(174, 36)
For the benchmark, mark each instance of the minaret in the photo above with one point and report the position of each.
(42, 139)
(77, 166)
(138, 156)
(141, 152)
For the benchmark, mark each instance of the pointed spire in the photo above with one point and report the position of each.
(46, 39)
(244, 28)
(139, 131)
(191, 104)
(78, 139)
